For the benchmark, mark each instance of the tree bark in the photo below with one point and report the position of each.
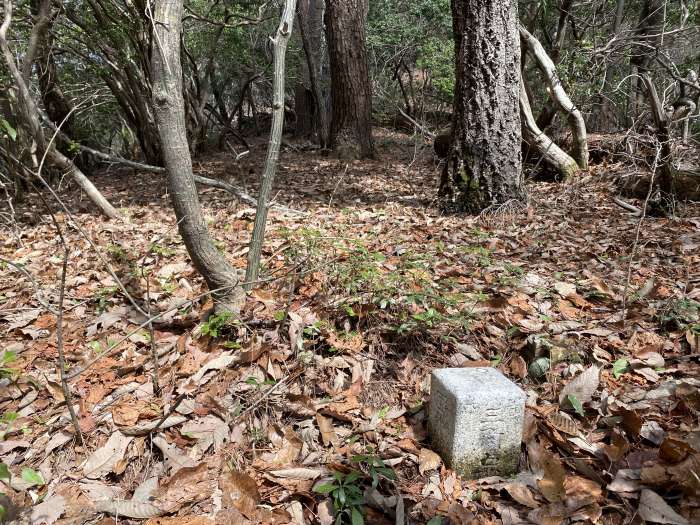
(273, 149)
(351, 121)
(574, 116)
(222, 279)
(484, 166)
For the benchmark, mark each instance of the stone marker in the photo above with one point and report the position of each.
(476, 420)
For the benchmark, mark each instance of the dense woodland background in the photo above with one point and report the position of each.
(238, 235)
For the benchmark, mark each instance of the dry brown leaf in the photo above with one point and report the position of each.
(522, 494)
(285, 455)
(129, 410)
(674, 450)
(328, 435)
(553, 475)
(581, 492)
(48, 511)
(324, 510)
(653, 508)
(626, 480)
(428, 460)
(240, 492)
(188, 485)
(105, 459)
(518, 367)
(174, 457)
(582, 387)
(552, 514)
(56, 391)
(563, 423)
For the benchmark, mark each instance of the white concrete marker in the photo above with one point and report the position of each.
(476, 420)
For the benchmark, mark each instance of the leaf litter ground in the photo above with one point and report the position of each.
(321, 385)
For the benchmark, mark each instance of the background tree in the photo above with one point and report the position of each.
(351, 95)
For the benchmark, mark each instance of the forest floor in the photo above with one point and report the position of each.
(592, 311)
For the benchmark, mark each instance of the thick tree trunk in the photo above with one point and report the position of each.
(304, 107)
(666, 178)
(484, 166)
(351, 124)
(223, 280)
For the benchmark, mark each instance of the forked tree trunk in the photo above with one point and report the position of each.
(574, 117)
(484, 166)
(648, 34)
(535, 137)
(351, 121)
(223, 280)
(273, 149)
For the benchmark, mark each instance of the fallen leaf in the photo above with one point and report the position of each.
(518, 367)
(565, 289)
(48, 511)
(188, 485)
(563, 423)
(652, 507)
(240, 492)
(582, 387)
(428, 460)
(105, 459)
(522, 494)
(328, 435)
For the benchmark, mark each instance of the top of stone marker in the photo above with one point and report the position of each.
(469, 381)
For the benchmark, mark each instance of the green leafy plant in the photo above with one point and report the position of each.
(161, 250)
(103, 296)
(576, 404)
(374, 466)
(680, 313)
(32, 477)
(214, 326)
(6, 358)
(346, 493)
(6, 423)
(117, 252)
